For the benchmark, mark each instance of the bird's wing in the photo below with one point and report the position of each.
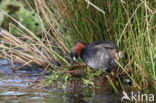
(107, 46)
(103, 44)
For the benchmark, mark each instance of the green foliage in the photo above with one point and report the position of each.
(129, 24)
(29, 19)
(24, 15)
(59, 79)
(89, 79)
(114, 87)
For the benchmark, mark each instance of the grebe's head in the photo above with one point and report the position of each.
(76, 52)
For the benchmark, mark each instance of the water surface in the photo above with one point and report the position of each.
(17, 88)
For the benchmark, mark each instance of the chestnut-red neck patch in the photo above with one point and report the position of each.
(79, 47)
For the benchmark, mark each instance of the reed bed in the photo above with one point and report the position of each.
(129, 24)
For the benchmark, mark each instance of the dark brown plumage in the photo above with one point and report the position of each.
(97, 55)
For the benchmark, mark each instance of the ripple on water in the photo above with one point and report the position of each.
(12, 93)
(37, 98)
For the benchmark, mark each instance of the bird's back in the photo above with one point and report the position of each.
(99, 55)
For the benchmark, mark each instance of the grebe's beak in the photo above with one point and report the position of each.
(73, 59)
